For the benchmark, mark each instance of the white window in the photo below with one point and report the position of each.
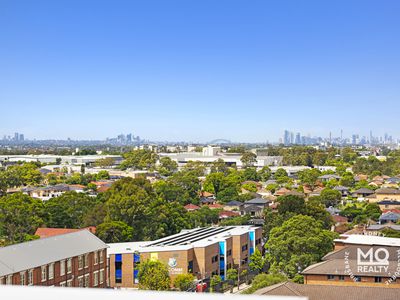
(44, 273)
(69, 283)
(62, 267)
(63, 284)
(96, 257)
(86, 280)
(69, 265)
(80, 281)
(96, 278)
(22, 278)
(51, 271)
(86, 260)
(9, 279)
(30, 277)
(80, 262)
(101, 256)
(101, 276)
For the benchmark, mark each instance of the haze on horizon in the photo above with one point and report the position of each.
(196, 71)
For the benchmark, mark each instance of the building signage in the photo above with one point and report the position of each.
(173, 263)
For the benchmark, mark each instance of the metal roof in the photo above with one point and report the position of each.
(29, 255)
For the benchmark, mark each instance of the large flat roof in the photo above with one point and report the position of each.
(186, 239)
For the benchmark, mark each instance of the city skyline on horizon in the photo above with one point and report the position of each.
(295, 134)
(198, 71)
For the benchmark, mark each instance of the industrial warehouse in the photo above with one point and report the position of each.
(204, 252)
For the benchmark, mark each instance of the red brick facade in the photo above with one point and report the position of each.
(86, 270)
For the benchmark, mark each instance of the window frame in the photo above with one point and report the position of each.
(51, 271)
(30, 277)
(43, 273)
(62, 267)
(22, 278)
(69, 265)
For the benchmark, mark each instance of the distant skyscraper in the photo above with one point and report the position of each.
(21, 137)
(286, 138)
(298, 139)
(16, 136)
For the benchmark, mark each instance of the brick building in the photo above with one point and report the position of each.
(202, 251)
(75, 259)
(358, 260)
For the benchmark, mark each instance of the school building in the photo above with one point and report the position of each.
(204, 252)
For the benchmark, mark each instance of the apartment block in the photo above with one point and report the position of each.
(75, 259)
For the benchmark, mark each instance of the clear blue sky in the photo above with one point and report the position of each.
(199, 70)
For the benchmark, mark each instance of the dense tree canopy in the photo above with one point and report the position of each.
(298, 243)
(114, 232)
(20, 215)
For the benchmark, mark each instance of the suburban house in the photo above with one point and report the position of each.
(389, 204)
(191, 207)
(376, 229)
(389, 217)
(47, 192)
(362, 193)
(387, 194)
(345, 191)
(328, 177)
(233, 205)
(254, 207)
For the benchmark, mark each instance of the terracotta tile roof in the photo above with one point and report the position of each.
(205, 194)
(281, 192)
(339, 219)
(215, 206)
(48, 232)
(103, 189)
(191, 206)
(228, 214)
(393, 210)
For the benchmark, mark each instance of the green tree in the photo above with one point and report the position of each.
(219, 166)
(250, 173)
(69, 210)
(154, 275)
(315, 209)
(257, 261)
(114, 232)
(330, 197)
(248, 159)
(250, 186)
(264, 280)
(167, 166)
(139, 159)
(291, 204)
(281, 176)
(102, 175)
(309, 176)
(298, 243)
(105, 162)
(232, 274)
(183, 282)
(20, 216)
(265, 173)
(215, 281)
